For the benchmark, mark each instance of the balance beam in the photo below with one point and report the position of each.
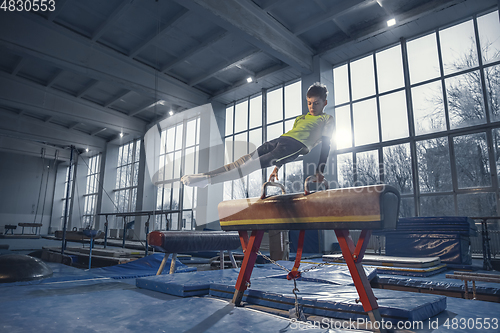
(358, 208)
(30, 225)
(469, 276)
(191, 241)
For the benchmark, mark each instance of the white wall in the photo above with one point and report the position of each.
(20, 178)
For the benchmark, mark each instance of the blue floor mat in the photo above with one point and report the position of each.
(329, 273)
(196, 283)
(335, 301)
(325, 291)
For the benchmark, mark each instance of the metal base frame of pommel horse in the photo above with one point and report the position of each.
(353, 256)
(352, 253)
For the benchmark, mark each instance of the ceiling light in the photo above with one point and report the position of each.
(87, 150)
(391, 22)
(171, 112)
(249, 79)
(121, 135)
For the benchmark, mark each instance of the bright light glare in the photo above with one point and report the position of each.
(343, 138)
(391, 22)
(249, 79)
(121, 135)
(171, 112)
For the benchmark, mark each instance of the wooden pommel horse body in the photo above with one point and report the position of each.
(357, 208)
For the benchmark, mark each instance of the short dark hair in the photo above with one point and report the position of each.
(318, 90)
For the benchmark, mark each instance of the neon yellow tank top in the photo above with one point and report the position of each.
(309, 129)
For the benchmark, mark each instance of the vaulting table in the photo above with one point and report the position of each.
(357, 208)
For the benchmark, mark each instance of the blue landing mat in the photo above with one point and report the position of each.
(195, 284)
(336, 301)
(198, 284)
(329, 273)
(146, 266)
(336, 298)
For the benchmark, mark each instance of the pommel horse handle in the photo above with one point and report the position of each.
(309, 181)
(266, 184)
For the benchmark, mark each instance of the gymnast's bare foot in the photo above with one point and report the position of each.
(199, 180)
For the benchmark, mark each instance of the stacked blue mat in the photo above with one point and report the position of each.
(327, 291)
(446, 237)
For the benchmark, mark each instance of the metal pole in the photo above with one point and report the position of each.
(90, 251)
(66, 206)
(147, 232)
(106, 232)
(124, 230)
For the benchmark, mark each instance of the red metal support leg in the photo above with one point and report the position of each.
(251, 249)
(294, 273)
(243, 239)
(353, 257)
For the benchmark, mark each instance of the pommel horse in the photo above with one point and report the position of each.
(356, 208)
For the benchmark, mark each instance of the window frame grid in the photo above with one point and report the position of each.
(167, 223)
(264, 125)
(90, 198)
(487, 127)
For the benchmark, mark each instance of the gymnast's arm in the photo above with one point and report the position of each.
(323, 157)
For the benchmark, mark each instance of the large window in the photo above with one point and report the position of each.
(178, 156)
(424, 116)
(68, 188)
(91, 190)
(248, 124)
(127, 176)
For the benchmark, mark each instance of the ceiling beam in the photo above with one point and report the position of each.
(31, 148)
(331, 15)
(54, 78)
(403, 18)
(234, 62)
(157, 34)
(116, 98)
(37, 130)
(223, 80)
(270, 4)
(87, 88)
(260, 76)
(31, 35)
(252, 23)
(25, 95)
(71, 127)
(98, 131)
(58, 8)
(208, 42)
(119, 10)
(143, 108)
(18, 66)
